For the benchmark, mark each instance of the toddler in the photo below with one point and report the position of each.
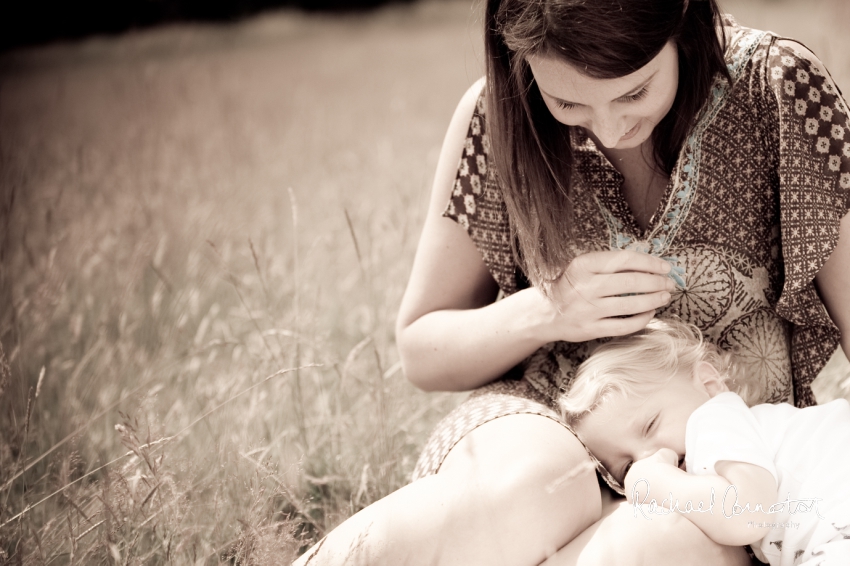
(666, 414)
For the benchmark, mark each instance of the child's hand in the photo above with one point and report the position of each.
(642, 473)
(664, 456)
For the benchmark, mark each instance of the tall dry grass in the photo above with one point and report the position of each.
(205, 236)
(207, 231)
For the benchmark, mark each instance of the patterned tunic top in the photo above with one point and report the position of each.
(750, 214)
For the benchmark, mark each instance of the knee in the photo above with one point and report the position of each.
(526, 460)
(537, 486)
(561, 481)
(541, 505)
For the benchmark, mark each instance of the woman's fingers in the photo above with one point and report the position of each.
(618, 261)
(609, 294)
(632, 304)
(616, 284)
(624, 325)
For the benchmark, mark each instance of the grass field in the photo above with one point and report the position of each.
(205, 235)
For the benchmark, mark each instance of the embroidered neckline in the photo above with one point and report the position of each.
(685, 177)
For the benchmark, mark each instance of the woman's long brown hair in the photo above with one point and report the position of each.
(606, 39)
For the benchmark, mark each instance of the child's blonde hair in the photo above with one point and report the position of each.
(641, 363)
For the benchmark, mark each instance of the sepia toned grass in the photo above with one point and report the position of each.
(206, 232)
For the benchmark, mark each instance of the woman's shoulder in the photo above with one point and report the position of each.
(472, 101)
(802, 87)
(795, 49)
(468, 118)
(768, 50)
(788, 78)
(476, 90)
(789, 59)
(745, 46)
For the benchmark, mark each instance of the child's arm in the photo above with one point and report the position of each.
(740, 484)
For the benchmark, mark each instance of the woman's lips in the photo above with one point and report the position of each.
(631, 133)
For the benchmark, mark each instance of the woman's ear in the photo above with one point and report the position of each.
(707, 376)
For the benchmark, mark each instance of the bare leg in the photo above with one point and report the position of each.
(513, 492)
(621, 538)
(505, 495)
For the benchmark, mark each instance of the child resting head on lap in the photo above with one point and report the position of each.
(666, 413)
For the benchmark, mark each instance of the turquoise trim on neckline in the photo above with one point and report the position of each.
(685, 177)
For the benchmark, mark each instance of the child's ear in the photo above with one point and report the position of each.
(707, 375)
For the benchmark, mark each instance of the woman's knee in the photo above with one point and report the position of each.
(533, 477)
(516, 444)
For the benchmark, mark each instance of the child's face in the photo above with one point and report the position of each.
(622, 430)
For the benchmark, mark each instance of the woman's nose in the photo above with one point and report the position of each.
(609, 129)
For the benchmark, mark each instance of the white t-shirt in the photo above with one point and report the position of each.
(806, 450)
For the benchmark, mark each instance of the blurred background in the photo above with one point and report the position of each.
(38, 21)
(208, 213)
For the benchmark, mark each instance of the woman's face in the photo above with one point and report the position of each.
(618, 113)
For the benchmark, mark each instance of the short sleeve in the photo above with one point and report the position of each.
(724, 428)
(813, 139)
(477, 204)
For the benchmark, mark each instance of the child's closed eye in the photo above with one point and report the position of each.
(651, 425)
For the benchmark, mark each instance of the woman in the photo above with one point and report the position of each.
(623, 159)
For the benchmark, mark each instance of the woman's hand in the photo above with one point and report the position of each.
(609, 293)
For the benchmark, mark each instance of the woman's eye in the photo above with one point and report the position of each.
(636, 96)
(641, 94)
(626, 470)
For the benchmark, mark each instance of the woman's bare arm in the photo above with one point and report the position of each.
(447, 340)
(833, 283)
(453, 336)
